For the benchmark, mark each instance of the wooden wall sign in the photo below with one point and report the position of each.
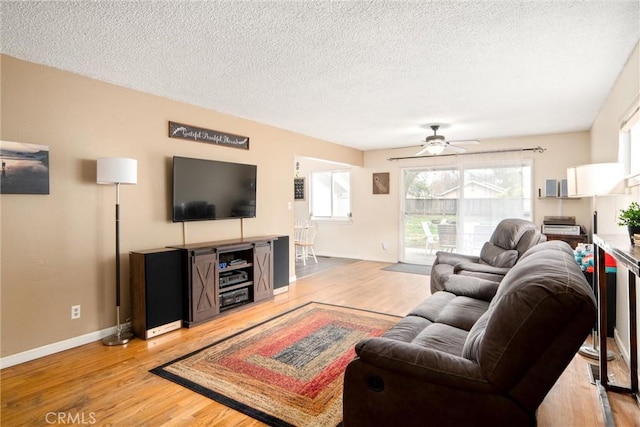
(182, 131)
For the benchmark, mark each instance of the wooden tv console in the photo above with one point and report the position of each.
(186, 285)
(222, 275)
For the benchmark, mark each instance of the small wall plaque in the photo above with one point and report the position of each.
(298, 188)
(381, 183)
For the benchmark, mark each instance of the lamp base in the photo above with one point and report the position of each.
(594, 353)
(120, 338)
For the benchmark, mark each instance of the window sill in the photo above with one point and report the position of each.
(325, 220)
(633, 180)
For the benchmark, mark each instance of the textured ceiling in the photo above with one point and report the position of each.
(366, 74)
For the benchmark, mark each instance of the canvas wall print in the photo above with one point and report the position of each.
(25, 168)
(381, 183)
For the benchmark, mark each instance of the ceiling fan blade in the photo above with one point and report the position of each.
(404, 147)
(455, 149)
(465, 142)
(424, 150)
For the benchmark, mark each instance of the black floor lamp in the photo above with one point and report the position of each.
(117, 170)
(593, 180)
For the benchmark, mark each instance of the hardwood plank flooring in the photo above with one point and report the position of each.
(100, 385)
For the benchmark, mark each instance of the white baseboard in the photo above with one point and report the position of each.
(624, 351)
(56, 347)
(281, 290)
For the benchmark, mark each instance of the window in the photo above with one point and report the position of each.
(331, 195)
(629, 148)
(634, 149)
(471, 196)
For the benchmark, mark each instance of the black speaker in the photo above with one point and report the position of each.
(156, 291)
(281, 262)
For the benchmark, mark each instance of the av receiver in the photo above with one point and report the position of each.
(234, 297)
(567, 230)
(232, 278)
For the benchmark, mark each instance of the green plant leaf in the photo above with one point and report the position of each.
(630, 216)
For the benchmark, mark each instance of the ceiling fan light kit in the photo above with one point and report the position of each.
(435, 144)
(435, 149)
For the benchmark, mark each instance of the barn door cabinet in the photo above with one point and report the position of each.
(224, 275)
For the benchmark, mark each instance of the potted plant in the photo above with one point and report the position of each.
(630, 217)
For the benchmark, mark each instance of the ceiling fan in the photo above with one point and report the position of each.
(435, 144)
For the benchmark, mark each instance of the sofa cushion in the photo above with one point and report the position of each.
(407, 329)
(472, 287)
(462, 312)
(419, 331)
(431, 307)
(441, 337)
(496, 256)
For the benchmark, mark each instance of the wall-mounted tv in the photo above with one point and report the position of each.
(210, 189)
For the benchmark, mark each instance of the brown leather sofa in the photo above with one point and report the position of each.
(511, 238)
(478, 352)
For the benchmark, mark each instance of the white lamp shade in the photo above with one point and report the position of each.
(597, 179)
(117, 170)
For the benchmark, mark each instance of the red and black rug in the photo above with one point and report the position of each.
(285, 371)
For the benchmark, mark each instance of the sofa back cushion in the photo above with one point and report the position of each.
(498, 257)
(517, 234)
(537, 307)
(509, 231)
(528, 240)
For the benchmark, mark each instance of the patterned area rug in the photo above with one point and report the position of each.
(286, 371)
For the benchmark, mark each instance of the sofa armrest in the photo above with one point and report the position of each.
(472, 287)
(479, 268)
(453, 259)
(423, 364)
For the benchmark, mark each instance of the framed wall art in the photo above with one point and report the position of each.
(298, 188)
(381, 183)
(25, 168)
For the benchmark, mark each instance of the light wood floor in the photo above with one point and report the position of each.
(98, 385)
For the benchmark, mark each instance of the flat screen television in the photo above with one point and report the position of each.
(209, 189)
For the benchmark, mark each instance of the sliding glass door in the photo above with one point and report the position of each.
(457, 208)
(429, 202)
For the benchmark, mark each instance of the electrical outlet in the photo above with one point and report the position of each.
(75, 312)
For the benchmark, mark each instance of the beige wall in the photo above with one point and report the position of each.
(58, 249)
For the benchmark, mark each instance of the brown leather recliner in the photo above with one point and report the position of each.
(511, 238)
(477, 353)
